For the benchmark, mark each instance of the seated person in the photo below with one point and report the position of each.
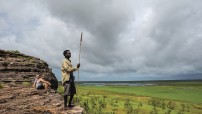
(40, 83)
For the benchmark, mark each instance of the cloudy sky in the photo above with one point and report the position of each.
(122, 39)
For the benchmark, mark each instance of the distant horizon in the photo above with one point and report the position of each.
(141, 80)
(127, 76)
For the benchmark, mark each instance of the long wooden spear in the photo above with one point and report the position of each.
(78, 69)
(80, 46)
(80, 53)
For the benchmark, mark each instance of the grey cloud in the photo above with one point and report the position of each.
(149, 38)
(104, 16)
(27, 27)
(175, 30)
(104, 20)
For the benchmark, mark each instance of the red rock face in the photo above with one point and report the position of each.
(27, 100)
(19, 68)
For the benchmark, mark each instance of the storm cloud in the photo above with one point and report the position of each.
(140, 39)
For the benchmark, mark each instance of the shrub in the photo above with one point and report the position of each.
(156, 102)
(154, 111)
(16, 51)
(169, 111)
(60, 90)
(171, 105)
(128, 107)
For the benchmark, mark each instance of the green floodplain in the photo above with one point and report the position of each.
(164, 97)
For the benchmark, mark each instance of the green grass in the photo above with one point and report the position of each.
(183, 98)
(182, 93)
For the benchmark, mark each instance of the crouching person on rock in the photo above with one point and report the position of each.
(40, 83)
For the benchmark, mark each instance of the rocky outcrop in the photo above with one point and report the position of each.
(17, 71)
(17, 67)
(27, 100)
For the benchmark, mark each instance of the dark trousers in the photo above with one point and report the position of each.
(69, 90)
(70, 100)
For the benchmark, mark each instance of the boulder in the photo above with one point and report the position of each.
(19, 68)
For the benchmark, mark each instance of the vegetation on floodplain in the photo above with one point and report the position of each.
(164, 99)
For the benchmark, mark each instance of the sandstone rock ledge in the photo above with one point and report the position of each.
(18, 67)
(26, 100)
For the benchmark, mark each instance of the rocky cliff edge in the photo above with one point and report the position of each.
(17, 67)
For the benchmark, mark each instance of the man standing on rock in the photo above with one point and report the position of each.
(68, 78)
